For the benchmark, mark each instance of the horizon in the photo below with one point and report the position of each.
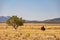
(31, 9)
(30, 20)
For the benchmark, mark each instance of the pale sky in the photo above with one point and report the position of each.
(31, 9)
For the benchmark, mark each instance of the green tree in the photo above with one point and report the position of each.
(15, 21)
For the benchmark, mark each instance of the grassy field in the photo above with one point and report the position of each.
(31, 31)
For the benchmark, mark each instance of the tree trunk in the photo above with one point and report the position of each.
(15, 27)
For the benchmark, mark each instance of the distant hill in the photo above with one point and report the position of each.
(4, 18)
(34, 21)
(55, 20)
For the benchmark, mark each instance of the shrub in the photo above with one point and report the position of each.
(43, 28)
(27, 35)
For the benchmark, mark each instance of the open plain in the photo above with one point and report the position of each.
(30, 31)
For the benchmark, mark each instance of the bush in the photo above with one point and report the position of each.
(43, 28)
(27, 35)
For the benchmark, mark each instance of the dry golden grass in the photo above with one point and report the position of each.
(30, 31)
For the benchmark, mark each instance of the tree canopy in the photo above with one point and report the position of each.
(15, 21)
